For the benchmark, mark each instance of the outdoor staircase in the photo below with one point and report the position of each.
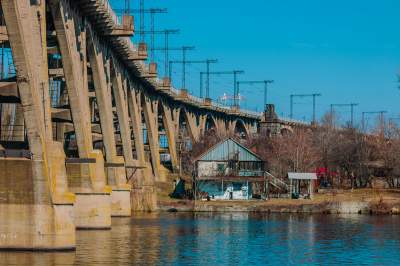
(277, 182)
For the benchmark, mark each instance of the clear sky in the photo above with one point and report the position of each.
(347, 50)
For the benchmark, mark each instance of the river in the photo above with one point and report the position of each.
(231, 239)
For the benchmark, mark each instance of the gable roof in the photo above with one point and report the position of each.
(226, 149)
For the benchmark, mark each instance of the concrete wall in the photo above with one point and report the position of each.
(28, 218)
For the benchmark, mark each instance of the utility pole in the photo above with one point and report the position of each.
(351, 105)
(380, 113)
(127, 7)
(314, 97)
(265, 82)
(201, 84)
(207, 62)
(234, 73)
(236, 94)
(153, 12)
(168, 64)
(167, 33)
(141, 8)
(152, 31)
(184, 50)
(291, 106)
(166, 48)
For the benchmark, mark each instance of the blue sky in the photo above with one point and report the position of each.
(347, 50)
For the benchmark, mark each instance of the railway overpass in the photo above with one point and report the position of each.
(81, 120)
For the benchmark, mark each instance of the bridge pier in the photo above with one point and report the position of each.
(121, 194)
(86, 179)
(143, 196)
(150, 110)
(193, 127)
(37, 213)
(116, 175)
(202, 124)
(93, 198)
(221, 127)
(169, 125)
(36, 208)
(27, 224)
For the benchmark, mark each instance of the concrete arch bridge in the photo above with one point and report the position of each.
(81, 120)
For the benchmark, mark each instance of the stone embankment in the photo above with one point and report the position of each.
(365, 201)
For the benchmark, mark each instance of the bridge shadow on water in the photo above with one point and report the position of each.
(231, 239)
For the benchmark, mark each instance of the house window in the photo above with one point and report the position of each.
(221, 168)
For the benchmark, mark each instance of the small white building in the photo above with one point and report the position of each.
(302, 184)
(229, 171)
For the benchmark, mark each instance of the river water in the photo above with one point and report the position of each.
(231, 239)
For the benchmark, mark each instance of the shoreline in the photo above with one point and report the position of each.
(365, 201)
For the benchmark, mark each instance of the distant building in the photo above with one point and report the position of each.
(229, 171)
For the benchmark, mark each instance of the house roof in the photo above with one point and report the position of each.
(303, 176)
(226, 149)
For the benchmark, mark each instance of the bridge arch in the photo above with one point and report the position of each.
(188, 125)
(240, 129)
(210, 122)
(286, 130)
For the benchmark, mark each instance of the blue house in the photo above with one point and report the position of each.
(229, 171)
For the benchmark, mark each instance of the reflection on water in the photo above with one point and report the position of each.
(231, 239)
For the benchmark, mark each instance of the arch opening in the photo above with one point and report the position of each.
(240, 130)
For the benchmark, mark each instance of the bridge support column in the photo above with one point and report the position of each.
(143, 196)
(250, 128)
(193, 128)
(150, 110)
(86, 179)
(36, 209)
(120, 96)
(169, 125)
(202, 126)
(18, 125)
(120, 197)
(231, 127)
(221, 127)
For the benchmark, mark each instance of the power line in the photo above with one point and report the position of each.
(265, 82)
(207, 62)
(234, 73)
(351, 105)
(313, 95)
(166, 48)
(381, 115)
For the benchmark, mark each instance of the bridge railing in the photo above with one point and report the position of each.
(195, 99)
(220, 105)
(175, 91)
(249, 112)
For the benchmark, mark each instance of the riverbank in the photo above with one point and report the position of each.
(360, 201)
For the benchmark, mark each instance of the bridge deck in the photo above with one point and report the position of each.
(102, 16)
